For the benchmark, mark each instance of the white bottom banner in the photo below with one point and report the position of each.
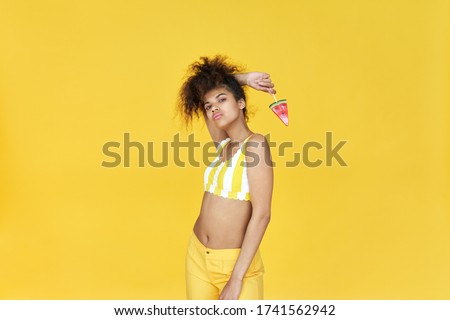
(225, 309)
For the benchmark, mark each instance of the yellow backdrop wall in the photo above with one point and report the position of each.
(75, 75)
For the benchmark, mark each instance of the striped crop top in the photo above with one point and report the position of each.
(228, 179)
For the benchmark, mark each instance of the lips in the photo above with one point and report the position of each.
(217, 116)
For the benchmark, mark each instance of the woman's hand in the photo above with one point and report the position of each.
(257, 80)
(232, 290)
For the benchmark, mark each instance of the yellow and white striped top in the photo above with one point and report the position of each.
(228, 179)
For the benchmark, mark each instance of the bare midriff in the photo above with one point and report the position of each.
(222, 222)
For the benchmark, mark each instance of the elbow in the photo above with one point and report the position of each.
(268, 218)
(263, 217)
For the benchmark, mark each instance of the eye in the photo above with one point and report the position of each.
(207, 107)
(221, 100)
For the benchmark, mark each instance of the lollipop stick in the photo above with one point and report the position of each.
(274, 98)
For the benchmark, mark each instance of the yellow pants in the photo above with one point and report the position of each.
(208, 271)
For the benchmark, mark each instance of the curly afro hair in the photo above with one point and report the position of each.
(203, 76)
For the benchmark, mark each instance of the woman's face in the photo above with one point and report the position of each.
(222, 108)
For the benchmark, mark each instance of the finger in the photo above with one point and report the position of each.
(266, 83)
(267, 86)
(266, 89)
(262, 88)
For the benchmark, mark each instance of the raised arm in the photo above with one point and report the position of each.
(257, 80)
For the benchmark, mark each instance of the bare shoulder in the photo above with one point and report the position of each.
(257, 141)
(259, 170)
(258, 151)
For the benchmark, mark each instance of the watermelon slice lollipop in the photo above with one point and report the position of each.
(280, 108)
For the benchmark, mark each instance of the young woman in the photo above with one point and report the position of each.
(223, 259)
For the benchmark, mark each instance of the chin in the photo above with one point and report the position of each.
(221, 123)
(222, 126)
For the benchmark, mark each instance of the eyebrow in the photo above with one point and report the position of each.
(223, 93)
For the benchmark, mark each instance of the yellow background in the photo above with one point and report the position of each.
(77, 74)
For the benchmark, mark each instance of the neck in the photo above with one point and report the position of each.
(239, 132)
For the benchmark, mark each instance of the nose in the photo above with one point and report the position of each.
(214, 108)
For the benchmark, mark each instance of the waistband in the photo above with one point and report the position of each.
(213, 252)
